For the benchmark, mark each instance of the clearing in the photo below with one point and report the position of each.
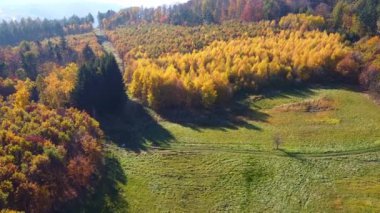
(224, 161)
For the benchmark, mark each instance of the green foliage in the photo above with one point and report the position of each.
(368, 15)
(356, 19)
(13, 32)
(31, 59)
(196, 12)
(99, 86)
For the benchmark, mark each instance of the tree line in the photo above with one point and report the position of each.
(212, 75)
(353, 18)
(27, 29)
(154, 40)
(30, 59)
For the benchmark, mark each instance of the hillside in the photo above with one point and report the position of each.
(204, 106)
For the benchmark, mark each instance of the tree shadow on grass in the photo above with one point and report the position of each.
(235, 115)
(307, 90)
(293, 155)
(298, 91)
(132, 127)
(107, 194)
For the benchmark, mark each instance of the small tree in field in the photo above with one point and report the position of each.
(277, 141)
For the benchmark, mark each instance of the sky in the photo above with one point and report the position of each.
(15, 9)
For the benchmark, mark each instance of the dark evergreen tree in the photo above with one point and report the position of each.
(88, 54)
(29, 64)
(62, 42)
(113, 85)
(368, 15)
(2, 69)
(100, 86)
(83, 94)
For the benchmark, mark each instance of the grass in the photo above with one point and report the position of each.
(330, 160)
(354, 124)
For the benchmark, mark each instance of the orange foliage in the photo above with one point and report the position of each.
(47, 157)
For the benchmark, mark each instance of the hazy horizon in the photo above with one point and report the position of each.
(16, 9)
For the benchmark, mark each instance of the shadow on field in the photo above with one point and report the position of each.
(293, 155)
(132, 127)
(233, 116)
(107, 195)
(301, 92)
(305, 91)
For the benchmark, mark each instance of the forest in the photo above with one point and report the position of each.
(352, 18)
(27, 29)
(143, 112)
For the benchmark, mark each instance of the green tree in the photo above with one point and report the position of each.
(88, 54)
(368, 15)
(337, 14)
(83, 96)
(113, 91)
(100, 86)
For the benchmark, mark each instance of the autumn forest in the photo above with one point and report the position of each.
(145, 109)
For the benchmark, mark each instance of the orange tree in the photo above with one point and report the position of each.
(47, 157)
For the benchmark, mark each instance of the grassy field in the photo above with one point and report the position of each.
(224, 161)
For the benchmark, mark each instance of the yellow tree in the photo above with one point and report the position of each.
(58, 85)
(22, 96)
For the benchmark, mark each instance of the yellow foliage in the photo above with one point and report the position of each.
(23, 92)
(58, 85)
(302, 22)
(211, 75)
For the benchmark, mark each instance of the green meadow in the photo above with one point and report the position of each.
(328, 158)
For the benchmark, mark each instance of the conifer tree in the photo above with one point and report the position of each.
(99, 86)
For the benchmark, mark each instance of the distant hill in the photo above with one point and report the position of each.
(17, 9)
(52, 10)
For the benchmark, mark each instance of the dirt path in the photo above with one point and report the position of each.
(279, 152)
(108, 47)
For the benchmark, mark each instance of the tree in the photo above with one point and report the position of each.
(277, 141)
(88, 54)
(368, 15)
(48, 157)
(62, 43)
(99, 86)
(23, 93)
(337, 14)
(90, 18)
(29, 63)
(273, 9)
(58, 85)
(113, 85)
(247, 14)
(2, 69)
(83, 95)
(13, 32)
(349, 67)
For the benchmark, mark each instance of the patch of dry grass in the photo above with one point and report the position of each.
(315, 105)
